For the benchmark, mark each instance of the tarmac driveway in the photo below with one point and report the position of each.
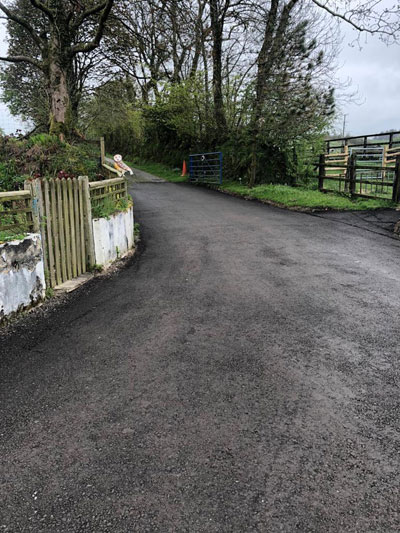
(242, 374)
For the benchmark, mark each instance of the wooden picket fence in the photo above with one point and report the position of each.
(63, 214)
(61, 210)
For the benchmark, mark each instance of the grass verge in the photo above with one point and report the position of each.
(303, 198)
(281, 195)
(160, 170)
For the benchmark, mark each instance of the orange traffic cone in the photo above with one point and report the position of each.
(184, 169)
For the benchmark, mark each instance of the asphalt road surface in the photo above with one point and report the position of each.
(242, 374)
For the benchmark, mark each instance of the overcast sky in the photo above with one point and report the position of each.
(374, 72)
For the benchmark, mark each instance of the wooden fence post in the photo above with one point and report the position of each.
(31, 186)
(321, 174)
(49, 228)
(396, 183)
(351, 173)
(87, 213)
(102, 151)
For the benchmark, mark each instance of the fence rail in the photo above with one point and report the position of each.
(115, 189)
(368, 181)
(16, 213)
(391, 139)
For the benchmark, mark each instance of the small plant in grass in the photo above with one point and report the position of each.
(95, 269)
(49, 293)
(123, 203)
(105, 208)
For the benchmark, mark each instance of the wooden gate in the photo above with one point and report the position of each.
(62, 211)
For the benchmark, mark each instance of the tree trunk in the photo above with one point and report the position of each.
(60, 100)
(275, 30)
(217, 27)
(60, 72)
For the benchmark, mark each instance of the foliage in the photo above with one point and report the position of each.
(44, 155)
(9, 235)
(180, 117)
(175, 124)
(96, 269)
(109, 206)
(52, 49)
(164, 78)
(17, 233)
(49, 293)
(24, 87)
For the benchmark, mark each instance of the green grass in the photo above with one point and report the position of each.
(283, 195)
(299, 197)
(7, 236)
(160, 170)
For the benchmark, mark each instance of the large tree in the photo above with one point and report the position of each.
(280, 54)
(68, 31)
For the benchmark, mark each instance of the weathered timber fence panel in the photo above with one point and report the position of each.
(16, 212)
(66, 226)
(115, 189)
(62, 211)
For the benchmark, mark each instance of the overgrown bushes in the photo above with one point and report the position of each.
(44, 155)
(109, 206)
(180, 121)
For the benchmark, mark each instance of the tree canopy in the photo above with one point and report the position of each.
(162, 77)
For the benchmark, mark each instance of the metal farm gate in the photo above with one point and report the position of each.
(206, 168)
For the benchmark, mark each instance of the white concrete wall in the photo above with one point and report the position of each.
(114, 237)
(22, 282)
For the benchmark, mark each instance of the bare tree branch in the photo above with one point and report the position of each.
(23, 59)
(380, 28)
(22, 22)
(88, 13)
(92, 45)
(46, 10)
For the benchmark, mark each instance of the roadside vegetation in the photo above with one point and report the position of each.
(302, 196)
(44, 155)
(8, 236)
(109, 207)
(173, 175)
(160, 80)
